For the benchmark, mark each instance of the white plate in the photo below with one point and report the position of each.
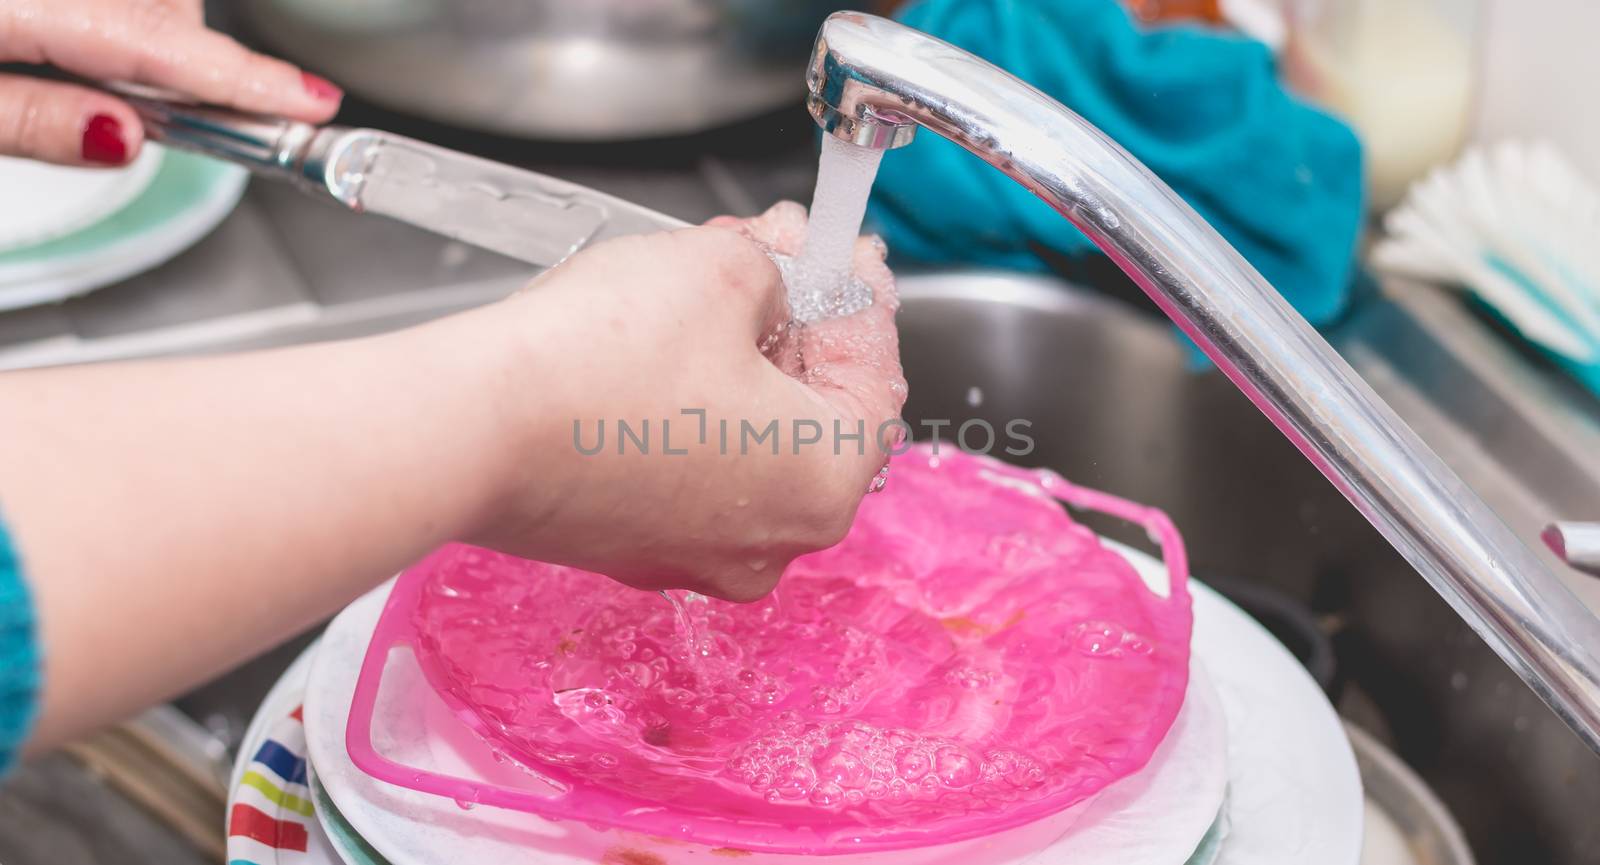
(1181, 789)
(188, 197)
(40, 202)
(1294, 793)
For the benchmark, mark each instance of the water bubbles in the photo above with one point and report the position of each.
(827, 794)
(815, 295)
(640, 674)
(840, 764)
(1097, 638)
(794, 780)
(820, 279)
(970, 678)
(911, 764)
(974, 397)
(955, 767)
(1108, 640)
(856, 761)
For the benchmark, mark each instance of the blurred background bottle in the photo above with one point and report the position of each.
(1402, 72)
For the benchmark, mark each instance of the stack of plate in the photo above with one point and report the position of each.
(1256, 769)
(67, 231)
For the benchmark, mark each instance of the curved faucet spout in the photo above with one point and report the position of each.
(871, 80)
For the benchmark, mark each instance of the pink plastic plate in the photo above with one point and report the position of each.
(967, 660)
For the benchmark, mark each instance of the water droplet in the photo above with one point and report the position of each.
(1137, 645)
(911, 764)
(827, 794)
(956, 768)
(970, 678)
(1097, 639)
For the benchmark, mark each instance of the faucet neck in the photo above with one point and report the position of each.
(870, 77)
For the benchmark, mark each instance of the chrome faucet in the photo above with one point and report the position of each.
(874, 82)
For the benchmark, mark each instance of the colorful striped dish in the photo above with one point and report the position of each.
(271, 819)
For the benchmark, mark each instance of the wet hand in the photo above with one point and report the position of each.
(688, 332)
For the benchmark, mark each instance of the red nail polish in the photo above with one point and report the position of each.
(321, 89)
(103, 141)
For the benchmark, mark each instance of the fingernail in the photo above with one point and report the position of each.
(103, 142)
(321, 89)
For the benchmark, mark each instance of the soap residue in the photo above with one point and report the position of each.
(968, 649)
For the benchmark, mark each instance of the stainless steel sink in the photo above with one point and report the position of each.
(1117, 405)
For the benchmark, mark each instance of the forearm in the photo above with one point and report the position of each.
(175, 517)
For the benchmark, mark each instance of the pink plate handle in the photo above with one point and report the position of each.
(1155, 521)
(396, 629)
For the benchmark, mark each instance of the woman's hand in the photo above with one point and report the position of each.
(176, 516)
(683, 335)
(162, 43)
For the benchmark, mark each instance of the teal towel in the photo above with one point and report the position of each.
(1202, 108)
(19, 656)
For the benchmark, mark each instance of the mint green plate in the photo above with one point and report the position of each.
(39, 202)
(187, 198)
(348, 843)
(1210, 846)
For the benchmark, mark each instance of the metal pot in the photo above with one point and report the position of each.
(1406, 822)
(556, 69)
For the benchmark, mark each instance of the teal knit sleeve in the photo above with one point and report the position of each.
(19, 656)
